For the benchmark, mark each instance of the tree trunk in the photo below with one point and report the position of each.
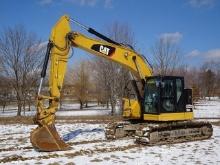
(19, 108)
(112, 107)
(121, 106)
(3, 108)
(29, 105)
(81, 104)
(107, 105)
(86, 104)
(24, 105)
(112, 110)
(19, 103)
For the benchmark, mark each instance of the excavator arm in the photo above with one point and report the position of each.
(45, 137)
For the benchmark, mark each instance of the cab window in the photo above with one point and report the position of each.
(167, 96)
(151, 96)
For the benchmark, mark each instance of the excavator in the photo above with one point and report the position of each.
(161, 111)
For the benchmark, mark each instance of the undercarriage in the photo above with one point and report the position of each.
(155, 133)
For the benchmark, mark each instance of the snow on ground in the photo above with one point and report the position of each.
(207, 108)
(204, 152)
(202, 109)
(92, 148)
(66, 110)
(86, 112)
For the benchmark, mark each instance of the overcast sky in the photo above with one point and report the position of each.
(193, 24)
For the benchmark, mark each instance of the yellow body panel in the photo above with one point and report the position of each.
(131, 109)
(59, 55)
(169, 116)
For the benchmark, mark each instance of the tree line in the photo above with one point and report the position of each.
(97, 79)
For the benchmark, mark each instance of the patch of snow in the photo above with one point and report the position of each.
(14, 140)
(207, 109)
(202, 109)
(66, 110)
(83, 113)
(16, 136)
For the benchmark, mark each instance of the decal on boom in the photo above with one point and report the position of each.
(104, 49)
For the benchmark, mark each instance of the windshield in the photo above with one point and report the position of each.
(151, 96)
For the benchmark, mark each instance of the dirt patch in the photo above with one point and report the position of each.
(128, 157)
(21, 140)
(96, 160)
(87, 142)
(70, 163)
(88, 119)
(16, 119)
(69, 155)
(54, 163)
(217, 123)
(106, 158)
(11, 158)
(70, 143)
(62, 119)
(15, 148)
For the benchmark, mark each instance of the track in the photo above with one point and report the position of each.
(160, 133)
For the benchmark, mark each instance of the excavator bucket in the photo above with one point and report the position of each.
(46, 138)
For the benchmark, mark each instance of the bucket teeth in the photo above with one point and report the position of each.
(46, 138)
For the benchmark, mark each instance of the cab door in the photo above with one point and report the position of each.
(168, 95)
(172, 94)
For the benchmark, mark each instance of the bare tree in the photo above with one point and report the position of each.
(166, 55)
(208, 82)
(21, 55)
(81, 82)
(5, 92)
(209, 78)
(121, 33)
(111, 78)
(1, 65)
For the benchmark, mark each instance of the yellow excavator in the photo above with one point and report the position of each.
(160, 113)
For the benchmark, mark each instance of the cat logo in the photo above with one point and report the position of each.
(104, 49)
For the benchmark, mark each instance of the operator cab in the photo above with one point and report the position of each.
(166, 94)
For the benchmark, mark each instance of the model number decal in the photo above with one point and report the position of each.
(104, 49)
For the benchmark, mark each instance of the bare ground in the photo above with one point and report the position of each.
(62, 119)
